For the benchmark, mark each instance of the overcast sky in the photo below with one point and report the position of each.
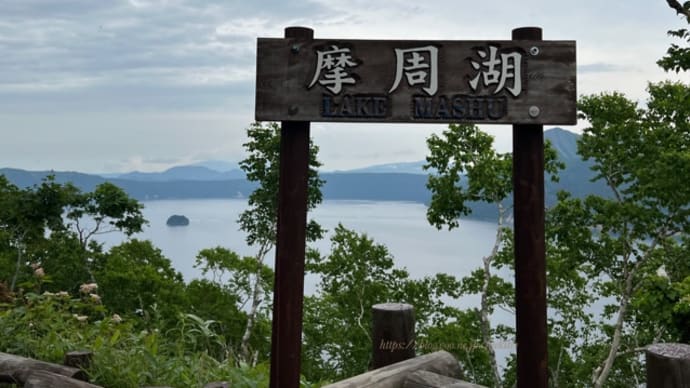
(114, 86)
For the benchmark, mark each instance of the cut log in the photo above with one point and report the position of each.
(668, 366)
(392, 334)
(426, 379)
(218, 384)
(20, 366)
(43, 379)
(393, 376)
(78, 359)
(6, 378)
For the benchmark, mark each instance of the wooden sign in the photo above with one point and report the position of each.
(484, 82)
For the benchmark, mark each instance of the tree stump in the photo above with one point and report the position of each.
(668, 366)
(393, 334)
(78, 359)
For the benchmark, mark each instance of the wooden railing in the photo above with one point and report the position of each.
(393, 357)
(393, 361)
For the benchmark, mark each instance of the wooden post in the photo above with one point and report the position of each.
(392, 334)
(288, 290)
(78, 359)
(668, 366)
(530, 258)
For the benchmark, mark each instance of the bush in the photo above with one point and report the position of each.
(48, 325)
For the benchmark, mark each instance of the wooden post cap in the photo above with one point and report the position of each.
(668, 365)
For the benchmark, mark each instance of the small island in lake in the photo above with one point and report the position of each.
(177, 220)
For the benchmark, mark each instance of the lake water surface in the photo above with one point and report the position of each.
(401, 226)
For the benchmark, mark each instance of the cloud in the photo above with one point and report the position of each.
(94, 83)
(160, 45)
(600, 68)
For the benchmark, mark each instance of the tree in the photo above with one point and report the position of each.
(52, 225)
(355, 275)
(678, 58)
(242, 280)
(135, 276)
(628, 250)
(466, 169)
(107, 209)
(26, 216)
(262, 166)
(626, 237)
(259, 220)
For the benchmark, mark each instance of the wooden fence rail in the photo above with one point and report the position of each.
(393, 356)
(30, 373)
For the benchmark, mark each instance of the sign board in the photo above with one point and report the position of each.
(484, 82)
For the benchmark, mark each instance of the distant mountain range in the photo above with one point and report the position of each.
(391, 168)
(386, 182)
(183, 173)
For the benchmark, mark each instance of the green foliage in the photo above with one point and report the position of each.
(357, 274)
(61, 258)
(213, 302)
(607, 250)
(461, 335)
(262, 166)
(25, 217)
(234, 281)
(190, 354)
(251, 278)
(51, 225)
(109, 207)
(466, 168)
(136, 276)
(221, 262)
(677, 57)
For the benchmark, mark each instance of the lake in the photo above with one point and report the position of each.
(401, 226)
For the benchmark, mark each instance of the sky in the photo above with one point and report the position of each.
(116, 86)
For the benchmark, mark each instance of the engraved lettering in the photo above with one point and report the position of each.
(459, 106)
(354, 106)
(422, 108)
(346, 106)
(380, 106)
(362, 106)
(442, 112)
(476, 108)
(497, 107)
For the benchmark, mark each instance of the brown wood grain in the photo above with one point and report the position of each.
(393, 376)
(11, 364)
(392, 334)
(668, 365)
(286, 67)
(426, 379)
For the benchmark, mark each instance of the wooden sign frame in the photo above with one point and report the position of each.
(293, 89)
(487, 82)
